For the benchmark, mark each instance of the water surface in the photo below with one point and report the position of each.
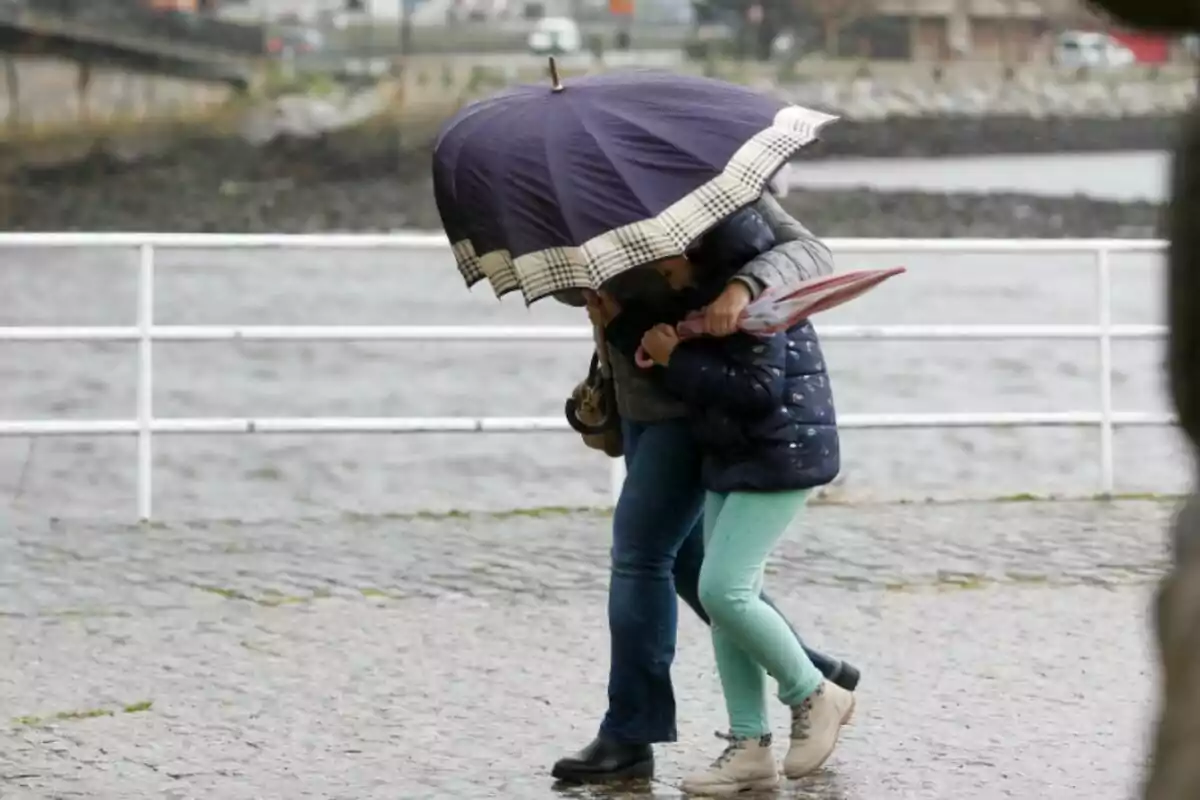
(1124, 176)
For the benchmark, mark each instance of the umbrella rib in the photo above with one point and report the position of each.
(468, 128)
(552, 156)
(674, 140)
(600, 145)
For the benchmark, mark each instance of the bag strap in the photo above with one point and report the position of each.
(609, 386)
(601, 342)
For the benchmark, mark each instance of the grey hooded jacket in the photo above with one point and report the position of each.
(799, 255)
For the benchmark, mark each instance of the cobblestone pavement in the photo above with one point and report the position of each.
(1004, 648)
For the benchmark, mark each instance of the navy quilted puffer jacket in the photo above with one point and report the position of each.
(761, 408)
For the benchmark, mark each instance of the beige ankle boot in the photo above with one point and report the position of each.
(816, 724)
(745, 765)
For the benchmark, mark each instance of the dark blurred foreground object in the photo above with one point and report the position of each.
(1178, 16)
(1175, 763)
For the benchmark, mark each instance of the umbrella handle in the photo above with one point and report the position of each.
(601, 343)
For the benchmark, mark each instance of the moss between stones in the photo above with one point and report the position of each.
(598, 512)
(270, 598)
(82, 714)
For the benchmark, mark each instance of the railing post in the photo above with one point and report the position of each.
(616, 477)
(1104, 301)
(145, 382)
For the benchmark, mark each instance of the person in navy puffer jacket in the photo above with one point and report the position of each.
(762, 411)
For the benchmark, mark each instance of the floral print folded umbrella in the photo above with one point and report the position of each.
(776, 311)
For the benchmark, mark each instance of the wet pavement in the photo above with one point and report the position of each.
(1004, 648)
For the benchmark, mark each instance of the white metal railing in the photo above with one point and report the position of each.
(145, 332)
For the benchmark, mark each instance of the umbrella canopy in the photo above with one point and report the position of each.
(551, 188)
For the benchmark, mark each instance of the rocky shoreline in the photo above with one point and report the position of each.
(966, 135)
(372, 180)
(401, 149)
(975, 90)
(161, 203)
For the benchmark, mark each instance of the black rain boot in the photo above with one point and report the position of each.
(605, 761)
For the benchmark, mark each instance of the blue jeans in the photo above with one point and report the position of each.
(658, 548)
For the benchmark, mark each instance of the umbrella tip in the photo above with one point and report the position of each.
(555, 81)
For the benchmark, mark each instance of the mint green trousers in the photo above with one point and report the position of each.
(750, 639)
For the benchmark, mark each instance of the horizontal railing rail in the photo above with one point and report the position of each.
(145, 332)
(412, 240)
(533, 333)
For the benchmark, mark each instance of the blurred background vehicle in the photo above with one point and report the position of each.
(555, 36)
(295, 38)
(1076, 49)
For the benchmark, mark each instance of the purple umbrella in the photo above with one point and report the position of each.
(552, 188)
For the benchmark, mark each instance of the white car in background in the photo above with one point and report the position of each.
(555, 36)
(1076, 49)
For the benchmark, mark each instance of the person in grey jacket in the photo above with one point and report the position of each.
(657, 527)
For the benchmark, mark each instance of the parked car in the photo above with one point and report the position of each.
(296, 40)
(718, 37)
(555, 36)
(1078, 49)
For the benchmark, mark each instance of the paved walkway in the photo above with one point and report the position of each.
(1004, 649)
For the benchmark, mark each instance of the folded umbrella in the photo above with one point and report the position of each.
(545, 189)
(776, 311)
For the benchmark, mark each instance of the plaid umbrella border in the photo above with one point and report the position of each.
(546, 272)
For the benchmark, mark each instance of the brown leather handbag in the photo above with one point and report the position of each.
(591, 410)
